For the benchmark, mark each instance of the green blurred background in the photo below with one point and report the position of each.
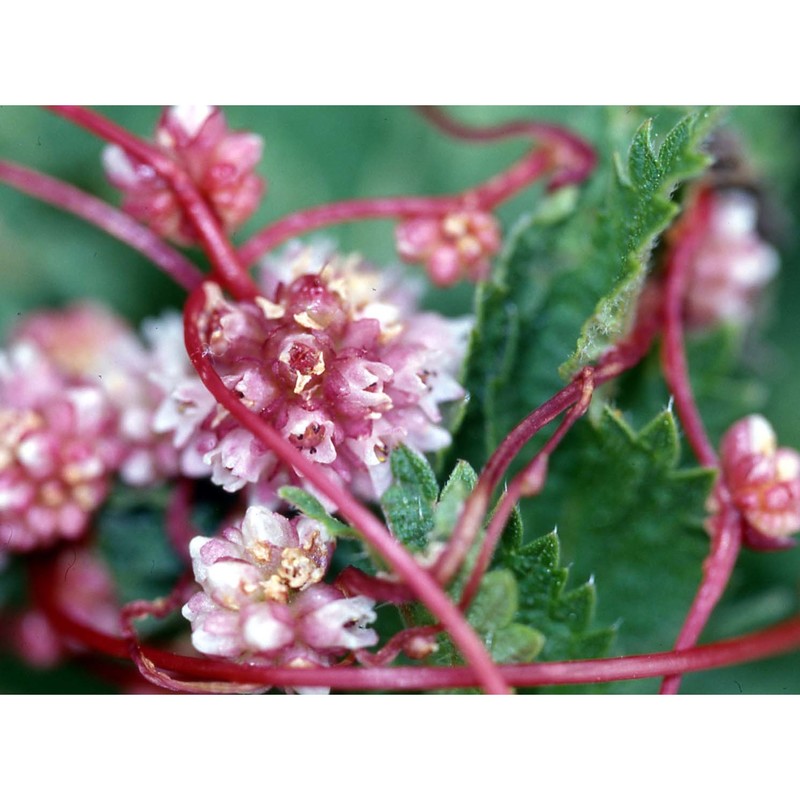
(319, 154)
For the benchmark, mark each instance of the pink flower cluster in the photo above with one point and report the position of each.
(58, 449)
(263, 601)
(87, 342)
(333, 354)
(732, 265)
(762, 479)
(329, 357)
(77, 408)
(452, 247)
(221, 164)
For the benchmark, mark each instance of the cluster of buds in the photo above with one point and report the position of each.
(732, 264)
(221, 164)
(762, 481)
(80, 396)
(89, 343)
(263, 601)
(58, 450)
(330, 357)
(452, 247)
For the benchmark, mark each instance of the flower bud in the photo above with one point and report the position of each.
(263, 599)
(220, 162)
(731, 265)
(762, 479)
(455, 246)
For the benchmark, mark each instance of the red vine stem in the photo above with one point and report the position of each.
(772, 641)
(673, 353)
(352, 580)
(374, 533)
(726, 527)
(618, 360)
(103, 216)
(486, 196)
(575, 158)
(528, 481)
(227, 267)
(147, 669)
(397, 644)
(726, 540)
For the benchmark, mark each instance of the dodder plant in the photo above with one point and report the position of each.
(306, 481)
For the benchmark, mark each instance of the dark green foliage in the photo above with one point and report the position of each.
(629, 516)
(562, 616)
(408, 502)
(636, 211)
(556, 264)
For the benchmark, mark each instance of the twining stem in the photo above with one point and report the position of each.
(772, 641)
(397, 644)
(573, 158)
(103, 216)
(673, 352)
(528, 482)
(726, 527)
(374, 533)
(353, 581)
(477, 504)
(160, 608)
(485, 196)
(225, 261)
(726, 540)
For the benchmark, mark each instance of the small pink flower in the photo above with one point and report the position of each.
(455, 246)
(220, 162)
(58, 450)
(763, 480)
(732, 264)
(263, 600)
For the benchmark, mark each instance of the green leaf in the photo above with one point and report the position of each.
(563, 617)
(408, 502)
(628, 515)
(493, 615)
(495, 605)
(311, 507)
(552, 272)
(516, 644)
(637, 210)
(461, 482)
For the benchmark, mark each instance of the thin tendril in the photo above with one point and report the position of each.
(103, 216)
(226, 265)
